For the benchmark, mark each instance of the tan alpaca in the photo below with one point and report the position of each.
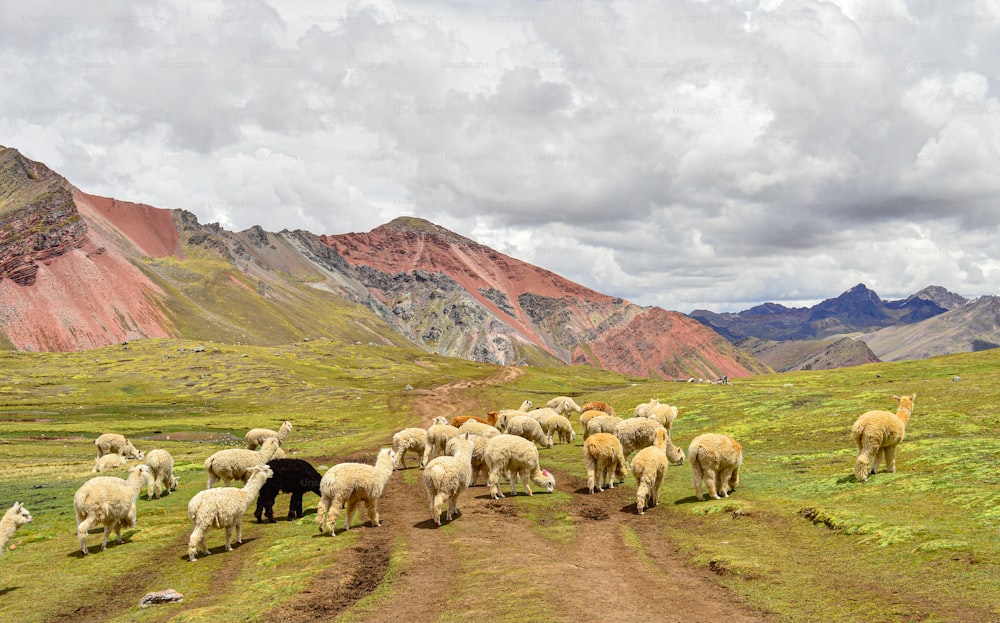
(877, 434)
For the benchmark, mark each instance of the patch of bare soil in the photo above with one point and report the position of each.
(626, 583)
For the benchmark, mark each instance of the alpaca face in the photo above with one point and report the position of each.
(20, 514)
(674, 454)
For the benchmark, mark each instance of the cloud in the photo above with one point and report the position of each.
(686, 155)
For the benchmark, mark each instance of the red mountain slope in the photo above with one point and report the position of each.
(452, 278)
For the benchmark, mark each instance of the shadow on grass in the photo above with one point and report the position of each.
(691, 499)
(9, 589)
(219, 549)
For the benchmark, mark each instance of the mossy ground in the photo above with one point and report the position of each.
(800, 538)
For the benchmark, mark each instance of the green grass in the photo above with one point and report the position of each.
(920, 544)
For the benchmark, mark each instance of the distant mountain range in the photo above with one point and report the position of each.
(79, 271)
(859, 327)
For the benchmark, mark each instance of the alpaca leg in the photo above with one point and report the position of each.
(591, 478)
(723, 484)
(710, 478)
(877, 457)
(321, 511)
(294, 507)
(239, 530)
(229, 537)
(349, 514)
(372, 507)
(698, 480)
(437, 507)
(196, 542)
(107, 532)
(81, 533)
(654, 495)
(734, 479)
(890, 459)
(493, 480)
(640, 498)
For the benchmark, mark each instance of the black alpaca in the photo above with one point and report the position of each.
(293, 476)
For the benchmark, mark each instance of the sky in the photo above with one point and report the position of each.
(689, 155)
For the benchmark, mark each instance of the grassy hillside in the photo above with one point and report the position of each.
(800, 539)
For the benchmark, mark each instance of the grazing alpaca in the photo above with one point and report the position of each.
(223, 507)
(877, 434)
(15, 517)
(349, 484)
(715, 462)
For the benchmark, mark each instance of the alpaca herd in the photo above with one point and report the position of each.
(454, 455)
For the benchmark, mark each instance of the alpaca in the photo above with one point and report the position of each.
(603, 457)
(293, 476)
(491, 419)
(446, 477)
(877, 434)
(649, 465)
(256, 436)
(110, 501)
(15, 517)
(235, 463)
(715, 462)
(223, 507)
(349, 484)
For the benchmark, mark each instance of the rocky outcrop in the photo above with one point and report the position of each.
(38, 219)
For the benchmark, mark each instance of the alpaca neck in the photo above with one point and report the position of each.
(903, 413)
(254, 485)
(7, 527)
(283, 433)
(135, 482)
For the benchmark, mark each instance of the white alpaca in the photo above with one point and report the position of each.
(649, 466)
(235, 463)
(406, 440)
(161, 464)
(350, 484)
(255, 436)
(108, 462)
(224, 508)
(516, 458)
(446, 477)
(113, 443)
(562, 404)
(15, 517)
(110, 501)
(437, 437)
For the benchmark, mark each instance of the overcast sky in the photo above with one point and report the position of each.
(682, 154)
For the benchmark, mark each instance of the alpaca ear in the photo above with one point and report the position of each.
(913, 397)
(896, 398)
(545, 472)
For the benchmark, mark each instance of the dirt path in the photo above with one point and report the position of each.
(601, 575)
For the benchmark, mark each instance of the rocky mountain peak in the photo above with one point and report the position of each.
(412, 225)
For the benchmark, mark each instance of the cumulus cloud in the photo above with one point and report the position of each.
(681, 154)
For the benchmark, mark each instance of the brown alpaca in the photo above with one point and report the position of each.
(598, 406)
(877, 435)
(491, 419)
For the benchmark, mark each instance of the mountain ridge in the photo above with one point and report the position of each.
(126, 270)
